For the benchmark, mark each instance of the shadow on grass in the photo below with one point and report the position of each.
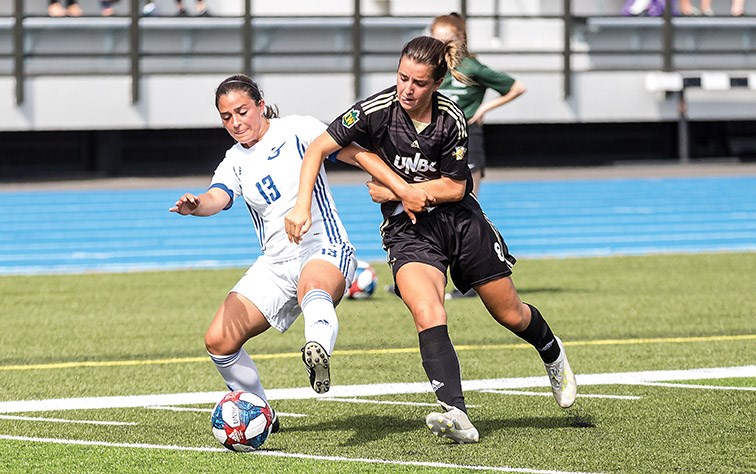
(549, 290)
(364, 428)
(370, 428)
(488, 426)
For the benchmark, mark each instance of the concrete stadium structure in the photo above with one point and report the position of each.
(592, 66)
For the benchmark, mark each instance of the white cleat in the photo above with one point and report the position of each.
(563, 384)
(453, 424)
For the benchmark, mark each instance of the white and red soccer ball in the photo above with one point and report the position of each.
(242, 421)
(364, 283)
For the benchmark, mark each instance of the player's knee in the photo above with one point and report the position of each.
(515, 318)
(428, 316)
(305, 286)
(216, 344)
(327, 278)
(212, 343)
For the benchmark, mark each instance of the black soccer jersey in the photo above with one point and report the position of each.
(381, 125)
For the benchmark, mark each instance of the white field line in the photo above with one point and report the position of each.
(545, 394)
(61, 420)
(279, 454)
(291, 415)
(347, 391)
(687, 385)
(382, 402)
(210, 410)
(170, 408)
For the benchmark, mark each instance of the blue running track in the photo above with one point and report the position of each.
(83, 231)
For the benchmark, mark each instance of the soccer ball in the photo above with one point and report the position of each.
(241, 421)
(364, 283)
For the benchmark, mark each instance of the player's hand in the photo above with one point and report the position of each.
(380, 193)
(416, 200)
(187, 204)
(297, 222)
(413, 200)
(476, 118)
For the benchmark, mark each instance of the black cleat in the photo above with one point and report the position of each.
(317, 364)
(275, 427)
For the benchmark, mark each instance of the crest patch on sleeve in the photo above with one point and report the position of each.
(459, 152)
(350, 118)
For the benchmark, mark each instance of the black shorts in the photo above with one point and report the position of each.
(476, 148)
(458, 237)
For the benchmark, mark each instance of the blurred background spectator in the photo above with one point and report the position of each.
(107, 7)
(687, 8)
(200, 9)
(57, 9)
(737, 8)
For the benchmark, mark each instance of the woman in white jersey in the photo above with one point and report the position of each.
(263, 168)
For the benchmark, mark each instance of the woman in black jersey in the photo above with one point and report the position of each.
(415, 141)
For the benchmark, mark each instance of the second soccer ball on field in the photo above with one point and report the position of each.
(364, 283)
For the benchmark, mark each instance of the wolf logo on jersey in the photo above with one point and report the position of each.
(275, 152)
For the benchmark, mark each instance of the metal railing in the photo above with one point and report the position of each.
(354, 28)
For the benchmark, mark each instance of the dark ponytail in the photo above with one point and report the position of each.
(240, 82)
(441, 56)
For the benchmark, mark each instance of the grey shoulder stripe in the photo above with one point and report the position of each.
(461, 127)
(378, 101)
(379, 97)
(451, 107)
(458, 118)
(377, 107)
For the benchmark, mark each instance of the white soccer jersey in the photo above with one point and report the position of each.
(267, 177)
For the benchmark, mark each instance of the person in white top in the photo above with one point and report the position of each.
(263, 168)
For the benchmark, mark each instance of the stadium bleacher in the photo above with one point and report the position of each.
(84, 75)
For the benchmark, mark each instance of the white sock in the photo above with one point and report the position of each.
(239, 372)
(321, 323)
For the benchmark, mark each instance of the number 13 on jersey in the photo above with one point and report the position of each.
(268, 190)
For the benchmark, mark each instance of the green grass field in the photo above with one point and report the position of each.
(108, 335)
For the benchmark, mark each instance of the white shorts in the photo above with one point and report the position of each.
(272, 285)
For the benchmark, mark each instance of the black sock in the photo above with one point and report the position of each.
(442, 366)
(539, 335)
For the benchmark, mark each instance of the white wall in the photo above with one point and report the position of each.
(90, 103)
(86, 102)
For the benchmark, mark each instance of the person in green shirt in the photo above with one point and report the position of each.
(467, 86)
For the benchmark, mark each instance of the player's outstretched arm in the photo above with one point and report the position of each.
(415, 196)
(298, 221)
(346, 155)
(206, 204)
(389, 186)
(515, 91)
(445, 189)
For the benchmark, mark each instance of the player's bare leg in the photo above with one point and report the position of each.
(235, 322)
(422, 289)
(502, 301)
